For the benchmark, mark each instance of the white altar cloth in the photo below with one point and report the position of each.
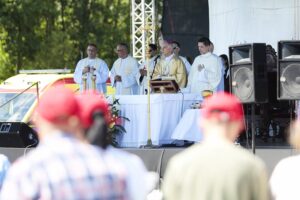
(188, 127)
(166, 112)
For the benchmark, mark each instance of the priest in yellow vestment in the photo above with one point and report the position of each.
(170, 66)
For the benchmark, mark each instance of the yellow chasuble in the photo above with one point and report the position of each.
(171, 68)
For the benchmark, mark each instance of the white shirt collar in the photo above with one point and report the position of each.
(169, 57)
(206, 54)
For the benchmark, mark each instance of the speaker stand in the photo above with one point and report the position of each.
(253, 127)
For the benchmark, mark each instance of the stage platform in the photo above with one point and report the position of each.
(156, 159)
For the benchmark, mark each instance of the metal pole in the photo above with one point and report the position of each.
(37, 92)
(253, 126)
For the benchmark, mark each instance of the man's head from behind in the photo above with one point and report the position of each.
(222, 114)
(95, 117)
(57, 110)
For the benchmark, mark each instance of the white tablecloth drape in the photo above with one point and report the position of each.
(166, 112)
(188, 127)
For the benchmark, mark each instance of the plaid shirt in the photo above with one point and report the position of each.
(4, 165)
(64, 168)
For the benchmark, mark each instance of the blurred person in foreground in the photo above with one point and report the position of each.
(217, 169)
(61, 166)
(95, 116)
(4, 166)
(285, 179)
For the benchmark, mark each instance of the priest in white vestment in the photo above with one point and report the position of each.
(142, 75)
(124, 72)
(92, 68)
(205, 72)
(170, 66)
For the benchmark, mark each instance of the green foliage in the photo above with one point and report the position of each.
(115, 128)
(41, 34)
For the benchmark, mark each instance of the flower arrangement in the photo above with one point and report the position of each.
(115, 127)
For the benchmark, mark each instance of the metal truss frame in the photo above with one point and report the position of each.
(143, 27)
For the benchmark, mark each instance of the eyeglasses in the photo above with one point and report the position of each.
(119, 50)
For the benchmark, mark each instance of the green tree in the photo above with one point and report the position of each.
(41, 34)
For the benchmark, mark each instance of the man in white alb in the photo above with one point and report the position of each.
(176, 50)
(93, 69)
(142, 75)
(205, 72)
(124, 71)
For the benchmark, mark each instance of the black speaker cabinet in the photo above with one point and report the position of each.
(17, 134)
(248, 72)
(288, 70)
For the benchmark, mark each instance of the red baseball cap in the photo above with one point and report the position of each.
(223, 106)
(90, 102)
(57, 104)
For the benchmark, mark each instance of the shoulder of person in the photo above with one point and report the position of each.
(250, 160)
(100, 60)
(175, 57)
(197, 58)
(116, 61)
(182, 58)
(131, 58)
(82, 60)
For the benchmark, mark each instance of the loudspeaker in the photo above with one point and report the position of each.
(288, 70)
(248, 74)
(17, 134)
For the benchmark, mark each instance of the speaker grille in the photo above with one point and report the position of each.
(290, 81)
(242, 83)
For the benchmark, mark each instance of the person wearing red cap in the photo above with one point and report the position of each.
(216, 168)
(95, 116)
(62, 166)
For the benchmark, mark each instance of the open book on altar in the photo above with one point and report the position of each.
(164, 85)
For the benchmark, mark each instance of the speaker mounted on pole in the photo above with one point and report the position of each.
(288, 70)
(248, 74)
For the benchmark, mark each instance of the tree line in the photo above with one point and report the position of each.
(53, 34)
